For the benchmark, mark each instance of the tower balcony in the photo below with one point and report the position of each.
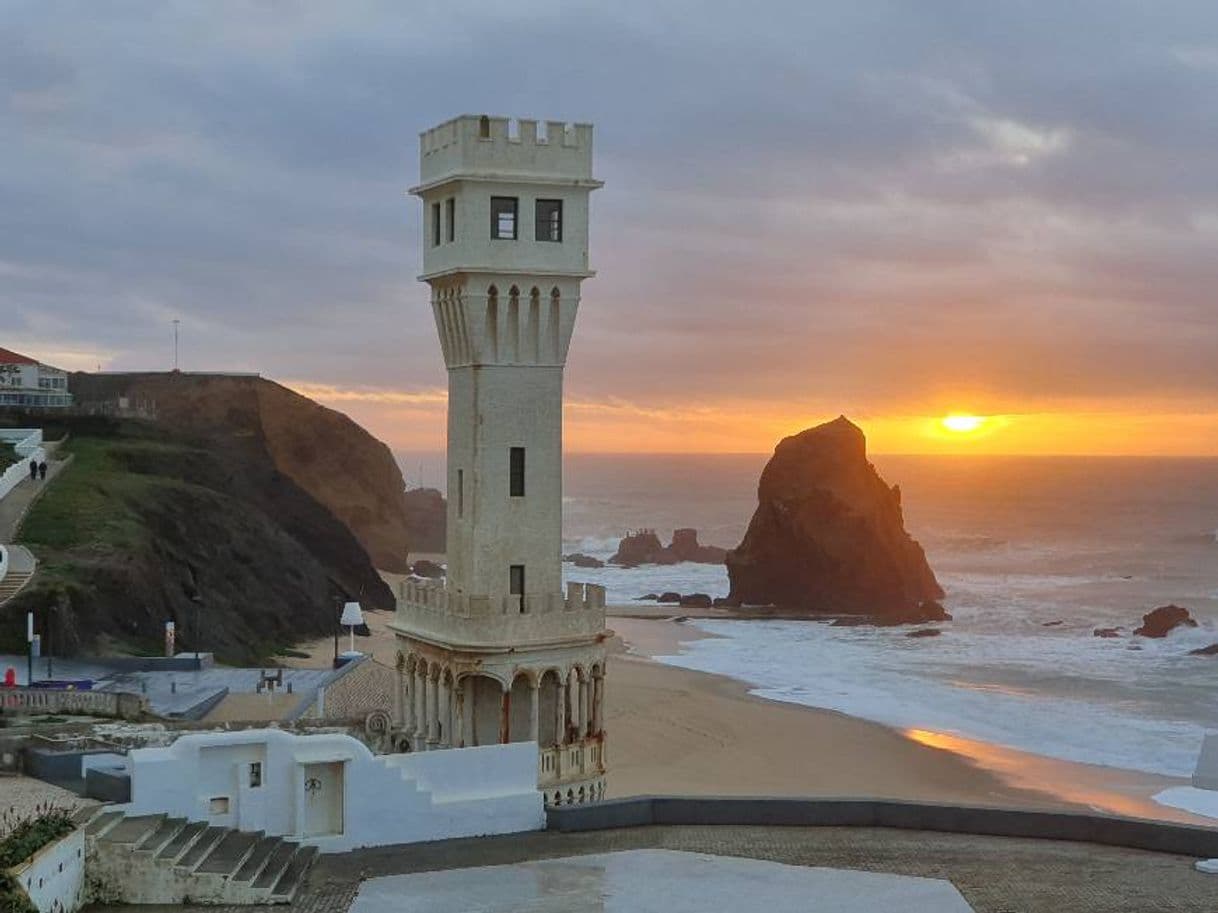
(433, 612)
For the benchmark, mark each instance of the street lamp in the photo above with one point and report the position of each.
(352, 617)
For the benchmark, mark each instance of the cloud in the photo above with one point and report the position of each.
(843, 205)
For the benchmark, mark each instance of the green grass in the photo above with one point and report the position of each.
(92, 503)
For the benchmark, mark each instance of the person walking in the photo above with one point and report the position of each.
(33, 470)
(42, 470)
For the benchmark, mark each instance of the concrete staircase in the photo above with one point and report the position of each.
(155, 859)
(22, 566)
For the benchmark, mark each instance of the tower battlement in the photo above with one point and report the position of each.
(475, 145)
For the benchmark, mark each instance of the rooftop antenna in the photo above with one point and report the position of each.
(175, 343)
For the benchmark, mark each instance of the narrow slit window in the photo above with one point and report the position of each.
(516, 579)
(516, 472)
(460, 493)
(450, 218)
(435, 224)
(503, 218)
(549, 220)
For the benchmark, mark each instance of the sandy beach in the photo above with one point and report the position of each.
(677, 731)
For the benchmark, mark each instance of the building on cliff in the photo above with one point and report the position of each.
(27, 382)
(500, 653)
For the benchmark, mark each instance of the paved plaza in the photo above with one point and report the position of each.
(993, 874)
(655, 881)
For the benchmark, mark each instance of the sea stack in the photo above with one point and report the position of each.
(828, 535)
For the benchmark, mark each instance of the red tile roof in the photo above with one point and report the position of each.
(8, 357)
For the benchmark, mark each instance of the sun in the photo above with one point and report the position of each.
(962, 423)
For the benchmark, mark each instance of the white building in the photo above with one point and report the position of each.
(330, 791)
(25, 381)
(500, 653)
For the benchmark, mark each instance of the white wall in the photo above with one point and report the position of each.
(28, 444)
(386, 799)
(54, 877)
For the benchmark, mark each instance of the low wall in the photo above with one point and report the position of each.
(1109, 830)
(90, 703)
(54, 877)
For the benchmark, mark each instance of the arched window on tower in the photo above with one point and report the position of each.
(513, 327)
(492, 323)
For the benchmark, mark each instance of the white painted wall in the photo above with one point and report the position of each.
(385, 800)
(27, 442)
(54, 877)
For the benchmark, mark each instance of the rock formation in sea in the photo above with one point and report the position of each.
(1163, 620)
(581, 560)
(644, 547)
(828, 535)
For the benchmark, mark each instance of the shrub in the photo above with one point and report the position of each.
(23, 837)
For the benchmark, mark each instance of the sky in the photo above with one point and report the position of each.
(892, 210)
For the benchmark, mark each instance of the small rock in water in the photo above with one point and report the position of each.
(650, 597)
(1107, 632)
(1051, 624)
(924, 632)
(1211, 650)
(669, 597)
(1163, 620)
(696, 601)
(581, 560)
(725, 602)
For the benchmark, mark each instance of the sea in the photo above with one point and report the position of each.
(1035, 553)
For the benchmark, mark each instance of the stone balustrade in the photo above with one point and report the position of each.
(88, 703)
(431, 609)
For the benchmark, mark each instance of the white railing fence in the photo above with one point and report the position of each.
(27, 442)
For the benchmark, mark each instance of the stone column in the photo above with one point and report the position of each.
(585, 702)
(534, 711)
(399, 680)
(573, 696)
(505, 717)
(560, 712)
(420, 709)
(459, 713)
(406, 681)
(598, 702)
(433, 708)
(446, 713)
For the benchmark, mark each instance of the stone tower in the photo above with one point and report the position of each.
(501, 652)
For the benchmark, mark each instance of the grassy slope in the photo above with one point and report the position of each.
(142, 528)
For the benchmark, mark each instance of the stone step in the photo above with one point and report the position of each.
(257, 858)
(294, 874)
(133, 830)
(181, 840)
(275, 866)
(162, 835)
(201, 847)
(84, 814)
(102, 823)
(227, 855)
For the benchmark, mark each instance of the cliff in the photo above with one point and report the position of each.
(334, 460)
(426, 520)
(149, 524)
(828, 535)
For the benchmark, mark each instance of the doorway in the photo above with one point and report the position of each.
(323, 799)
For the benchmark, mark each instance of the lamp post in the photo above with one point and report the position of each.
(352, 616)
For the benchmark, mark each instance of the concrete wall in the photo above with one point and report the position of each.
(51, 700)
(1109, 830)
(54, 877)
(27, 442)
(374, 800)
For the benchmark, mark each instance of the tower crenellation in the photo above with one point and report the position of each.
(474, 143)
